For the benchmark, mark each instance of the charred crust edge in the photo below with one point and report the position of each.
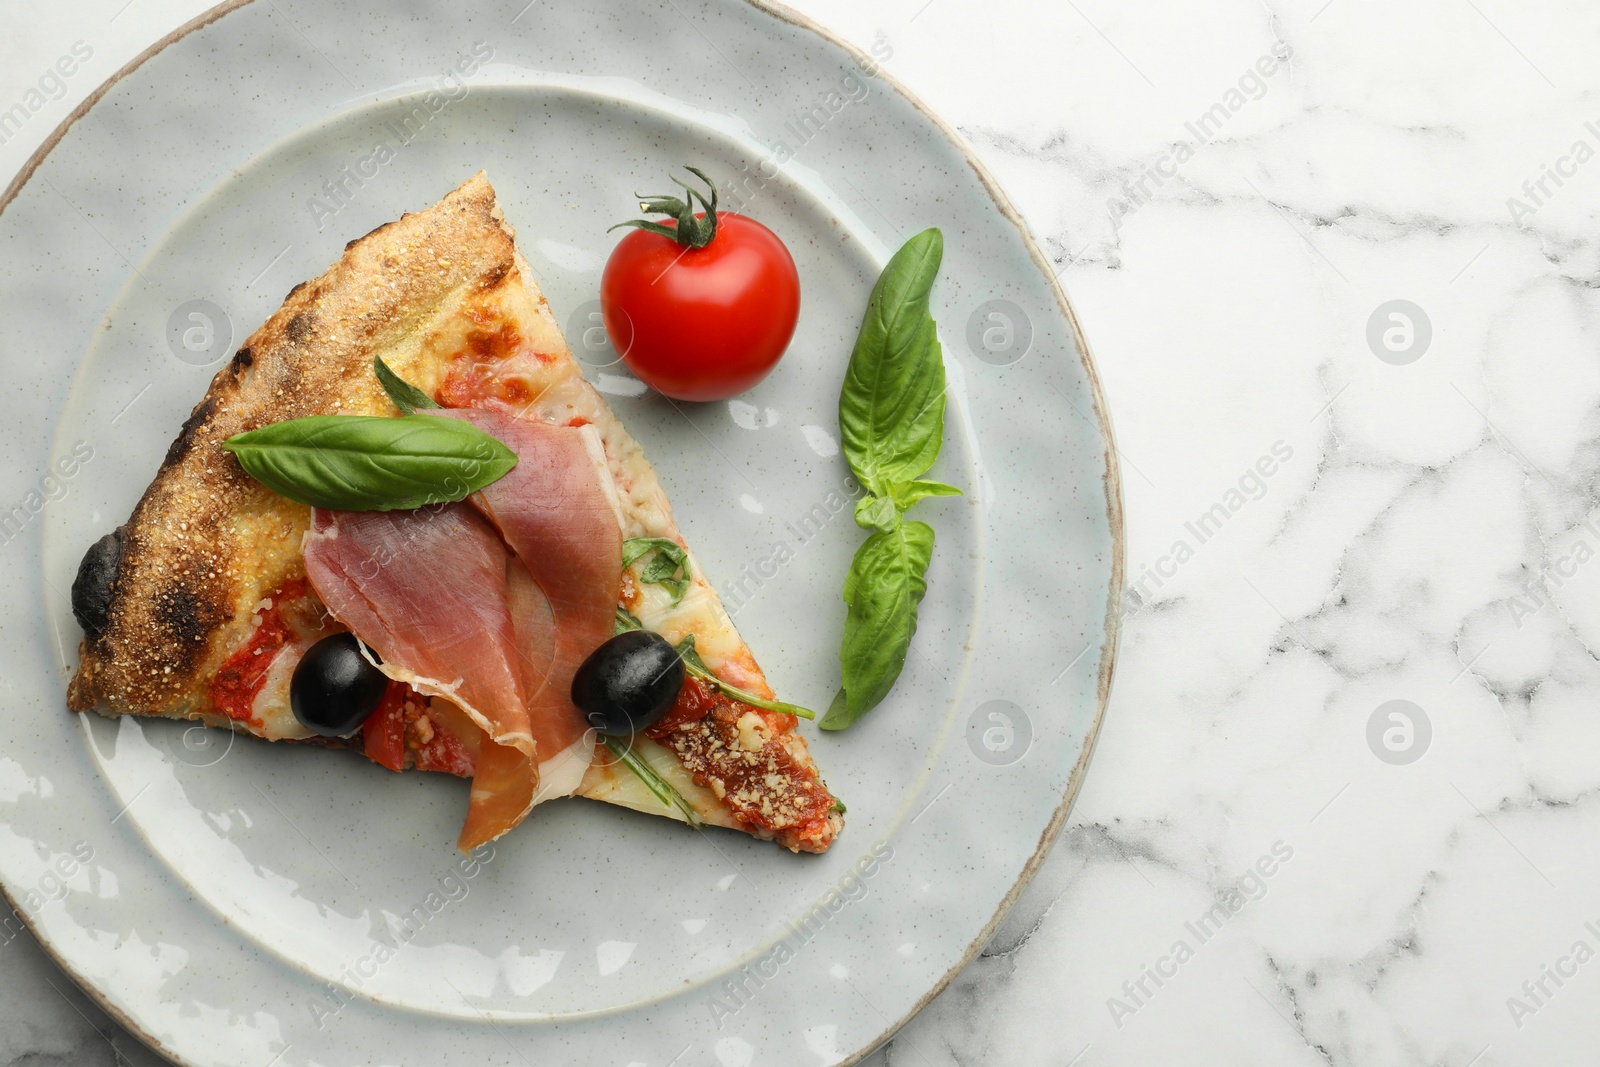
(300, 327)
(184, 442)
(189, 612)
(94, 590)
(375, 230)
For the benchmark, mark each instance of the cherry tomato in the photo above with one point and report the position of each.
(700, 323)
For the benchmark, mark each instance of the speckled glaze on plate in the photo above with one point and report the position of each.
(237, 902)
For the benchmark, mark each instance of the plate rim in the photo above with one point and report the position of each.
(1110, 479)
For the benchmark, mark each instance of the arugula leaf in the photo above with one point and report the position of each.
(691, 657)
(367, 463)
(697, 667)
(886, 582)
(891, 409)
(653, 781)
(405, 396)
(663, 570)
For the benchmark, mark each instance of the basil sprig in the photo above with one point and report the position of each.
(371, 463)
(891, 425)
(663, 569)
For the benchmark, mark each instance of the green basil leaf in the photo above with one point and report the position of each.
(663, 570)
(837, 707)
(402, 394)
(907, 493)
(891, 409)
(887, 581)
(891, 427)
(625, 622)
(365, 463)
(876, 513)
(696, 667)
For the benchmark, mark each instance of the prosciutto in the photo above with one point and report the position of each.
(558, 513)
(491, 604)
(427, 591)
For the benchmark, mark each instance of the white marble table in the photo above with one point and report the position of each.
(1329, 509)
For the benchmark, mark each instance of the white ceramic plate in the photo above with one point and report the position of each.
(243, 903)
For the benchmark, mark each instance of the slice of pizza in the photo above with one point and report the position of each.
(478, 612)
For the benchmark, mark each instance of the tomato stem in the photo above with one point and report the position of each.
(689, 230)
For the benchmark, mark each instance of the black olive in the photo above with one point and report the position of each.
(334, 688)
(91, 589)
(628, 683)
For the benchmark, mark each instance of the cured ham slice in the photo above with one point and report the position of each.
(491, 604)
(428, 591)
(558, 512)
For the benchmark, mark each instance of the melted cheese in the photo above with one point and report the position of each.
(613, 783)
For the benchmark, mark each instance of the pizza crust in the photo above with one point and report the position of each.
(207, 545)
(206, 542)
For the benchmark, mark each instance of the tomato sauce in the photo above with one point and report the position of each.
(695, 701)
(467, 385)
(764, 786)
(489, 340)
(240, 678)
(445, 752)
(406, 721)
(698, 699)
(383, 735)
(479, 371)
